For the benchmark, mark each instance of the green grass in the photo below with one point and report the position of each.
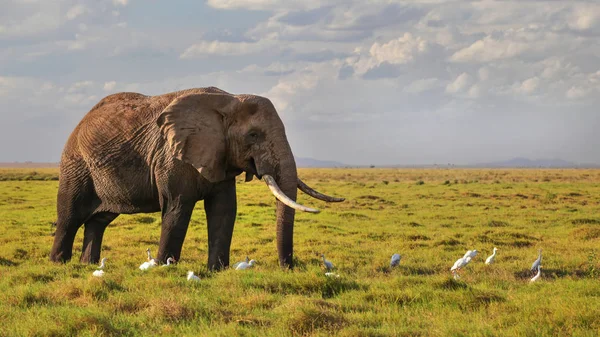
(431, 217)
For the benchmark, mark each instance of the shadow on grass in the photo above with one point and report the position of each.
(552, 274)
(144, 219)
(327, 287)
(7, 262)
(451, 284)
(411, 270)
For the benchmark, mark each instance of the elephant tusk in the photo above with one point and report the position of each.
(278, 193)
(315, 194)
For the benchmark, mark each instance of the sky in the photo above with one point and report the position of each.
(355, 81)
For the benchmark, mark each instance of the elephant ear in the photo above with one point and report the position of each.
(192, 126)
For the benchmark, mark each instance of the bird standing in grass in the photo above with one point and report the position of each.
(538, 275)
(395, 261)
(192, 277)
(169, 261)
(150, 263)
(328, 265)
(492, 257)
(462, 262)
(100, 272)
(235, 265)
(537, 263)
(244, 264)
(471, 253)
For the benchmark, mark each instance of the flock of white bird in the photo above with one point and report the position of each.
(536, 267)
(461, 263)
(152, 262)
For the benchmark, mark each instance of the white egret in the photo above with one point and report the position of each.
(192, 277)
(327, 263)
(537, 263)
(245, 264)
(150, 263)
(471, 253)
(169, 261)
(395, 261)
(492, 257)
(538, 275)
(100, 272)
(235, 265)
(462, 262)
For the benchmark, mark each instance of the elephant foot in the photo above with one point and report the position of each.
(60, 257)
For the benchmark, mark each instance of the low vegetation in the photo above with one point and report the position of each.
(431, 217)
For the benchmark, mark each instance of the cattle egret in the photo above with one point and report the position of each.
(395, 261)
(192, 277)
(471, 253)
(100, 272)
(235, 265)
(462, 262)
(536, 263)
(245, 264)
(538, 275)
(332, 275)
(327, 263)
(492, 257)
(169, 261)
(150, 263)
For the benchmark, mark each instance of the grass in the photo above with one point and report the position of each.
(431, 217)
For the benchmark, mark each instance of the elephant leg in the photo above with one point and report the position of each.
(221, 209)
(75, 204)
(176, 216)
(66, 229)
(92, 236)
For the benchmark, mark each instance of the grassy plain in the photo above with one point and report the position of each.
(430, 216)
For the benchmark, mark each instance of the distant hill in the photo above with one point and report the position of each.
(526, 162)
(310, 162)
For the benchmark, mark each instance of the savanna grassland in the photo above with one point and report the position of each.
(430, 216)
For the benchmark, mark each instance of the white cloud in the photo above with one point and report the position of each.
(76, 11)
(489, 49)
(80, 86)
(120, 2)
(269, 5)
(36, 23)
(484, 73)
(225, 48)
(529, 85)
(577, 92)
(328, 66)
(585, 17)
(109, 86)
(422, 85)
(401, 50)
(460, 84)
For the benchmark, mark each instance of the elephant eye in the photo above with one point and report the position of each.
(252, 137)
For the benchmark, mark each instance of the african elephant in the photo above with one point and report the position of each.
(133, 153)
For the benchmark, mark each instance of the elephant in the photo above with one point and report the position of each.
(133, 153)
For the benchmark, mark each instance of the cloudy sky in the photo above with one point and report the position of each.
(356, 81)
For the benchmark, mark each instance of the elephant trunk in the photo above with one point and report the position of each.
(287, 180)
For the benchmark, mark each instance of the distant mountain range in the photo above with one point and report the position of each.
(316, 163)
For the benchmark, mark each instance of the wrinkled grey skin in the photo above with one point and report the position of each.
(138, 154)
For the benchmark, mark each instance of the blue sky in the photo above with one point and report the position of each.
(361, 82)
